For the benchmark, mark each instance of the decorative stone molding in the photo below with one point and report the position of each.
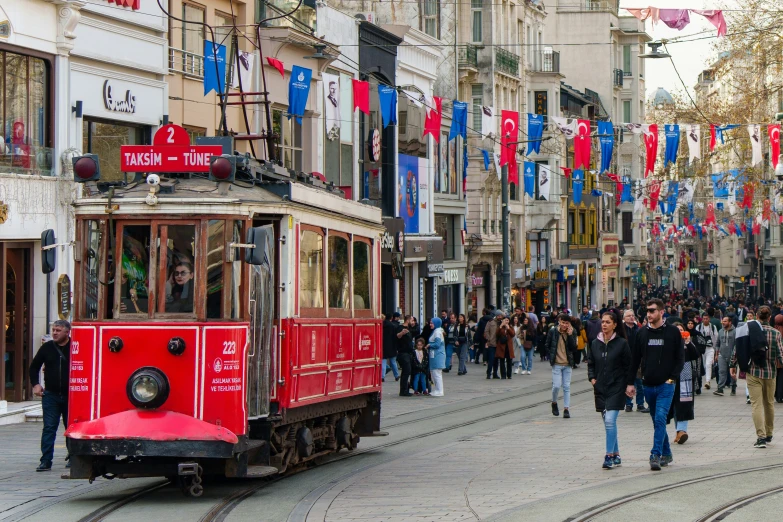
(68, 16)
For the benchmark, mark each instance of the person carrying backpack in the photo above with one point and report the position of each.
(756, 355)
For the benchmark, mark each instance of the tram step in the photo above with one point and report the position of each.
(261, 471)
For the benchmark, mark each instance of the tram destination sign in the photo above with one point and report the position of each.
(170, 151)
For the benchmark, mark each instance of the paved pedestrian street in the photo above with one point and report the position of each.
(488, 450)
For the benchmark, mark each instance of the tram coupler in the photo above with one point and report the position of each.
(187, 468)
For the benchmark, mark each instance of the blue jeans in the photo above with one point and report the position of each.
(561, 378)
(610, 423)
(392, 361)
(639, 394)
(420, 382)
(682, 425)
(526, 360)
(462, 351)
(659, 400)
(449, 355)
(54, 407)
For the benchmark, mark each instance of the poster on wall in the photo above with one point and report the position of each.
(408, 192)
(425, 177)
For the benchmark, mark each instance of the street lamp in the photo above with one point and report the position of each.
(655, 51)
(506, 280)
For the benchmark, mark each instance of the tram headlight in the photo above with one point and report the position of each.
(148, 388)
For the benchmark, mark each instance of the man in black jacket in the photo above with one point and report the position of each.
(658, 349)
(481, 343)
(390, 328)
(54, 356)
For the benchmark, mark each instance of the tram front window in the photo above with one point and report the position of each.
(134, 270)
(177, 258)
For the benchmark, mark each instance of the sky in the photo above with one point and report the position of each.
(690, 58)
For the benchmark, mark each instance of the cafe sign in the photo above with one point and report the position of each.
(64, 296)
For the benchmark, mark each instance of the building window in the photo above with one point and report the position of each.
(193, 37)
(591, 239)
(25, 112)
(627, 111)
(105, 138)
(430, 17)
(476, 20)
(290, 145)
(444, 227)
(477, 97)
(627, 228)
(194, 132)
(627, 60)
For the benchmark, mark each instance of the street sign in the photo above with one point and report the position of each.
(754, 282)
(170, 151)
(713, 266)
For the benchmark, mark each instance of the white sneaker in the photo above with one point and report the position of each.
(528, 372)
(471, 360)
(516, 371)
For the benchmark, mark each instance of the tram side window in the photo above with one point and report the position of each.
(361, 276)
(236, 274)
(177, 264)
(215, 260)
(311, 251)
(92, 267)
(339, 273)
(134, 269)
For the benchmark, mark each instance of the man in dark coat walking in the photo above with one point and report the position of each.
(390, 328)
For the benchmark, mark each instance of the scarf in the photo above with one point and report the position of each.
(686, 382)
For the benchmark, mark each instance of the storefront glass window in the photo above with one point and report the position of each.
(105, 139)
(24, 111)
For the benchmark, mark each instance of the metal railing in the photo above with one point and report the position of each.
(468, 56)
(506, 62)
(26, 159)
(627, 73)
(618, 77)
(186, 62)
(546, 61)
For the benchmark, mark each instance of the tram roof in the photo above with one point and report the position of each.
(184, 196)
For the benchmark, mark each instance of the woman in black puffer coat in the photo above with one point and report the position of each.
(608, 367)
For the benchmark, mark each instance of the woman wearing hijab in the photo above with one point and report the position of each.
(608, 365)
(682, 408)
(437, 349)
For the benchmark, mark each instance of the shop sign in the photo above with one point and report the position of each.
(476, 280)
(610, 251)
(429, 249)
(64, 296)
(112, 103)
(170, 151)
(694, 271)
(392, 239)
(542, 274)
(517, 272)
(450, 276)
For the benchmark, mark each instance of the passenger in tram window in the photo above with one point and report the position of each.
(180, 300)
(134, 270)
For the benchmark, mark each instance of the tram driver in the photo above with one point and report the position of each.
(179, 294)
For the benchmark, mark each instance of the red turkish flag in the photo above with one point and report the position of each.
(277, 64)
(713, 138)
(732, 228)
(651, 144)
(766, 211)
(509, 130)
(618, 189)
(655, 192)
(433, 119)
(710, 220)
(756, 228)
(747, 196)
(582, 143)
(566, 171)
(774, 143)
(361, 96)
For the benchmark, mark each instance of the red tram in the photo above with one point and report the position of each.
(227, 328)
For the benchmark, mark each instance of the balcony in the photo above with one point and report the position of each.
(191, 64)
(617, 77)
(468, 56)
(546, 61)
(506, 62)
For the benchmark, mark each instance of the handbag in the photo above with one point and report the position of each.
(527, 345)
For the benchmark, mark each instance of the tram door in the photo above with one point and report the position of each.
(262, 328)
(15, 344)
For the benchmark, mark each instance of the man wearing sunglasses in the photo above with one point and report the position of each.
(659, 351)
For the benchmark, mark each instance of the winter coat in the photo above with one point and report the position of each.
(684, 411)
(500, 349)
(609, 363)
(551, 346)
(481, 327)
(420, 367)
(593, 328)
(437, 347)
(491, 333)
(659, 352)
(389, 339)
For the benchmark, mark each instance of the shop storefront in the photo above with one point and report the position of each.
(478, 290)
(423, 258)
(450, 290)
(518, 294)
(538, 291)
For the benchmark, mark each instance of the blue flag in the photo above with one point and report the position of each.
(719, 131)
(720, 187)
(606, 139)
(719, 205)
(535, 131)
(698, 230)
(578, 182)
(298, 91)
(387, 97)
(487, 161)
(214, 79)
(672, 144)
(459, 120)
(530, 179)
(626, 196)
(465, 171)
(671, 200)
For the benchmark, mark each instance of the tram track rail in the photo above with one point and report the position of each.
(222, 508)
(603, 508)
